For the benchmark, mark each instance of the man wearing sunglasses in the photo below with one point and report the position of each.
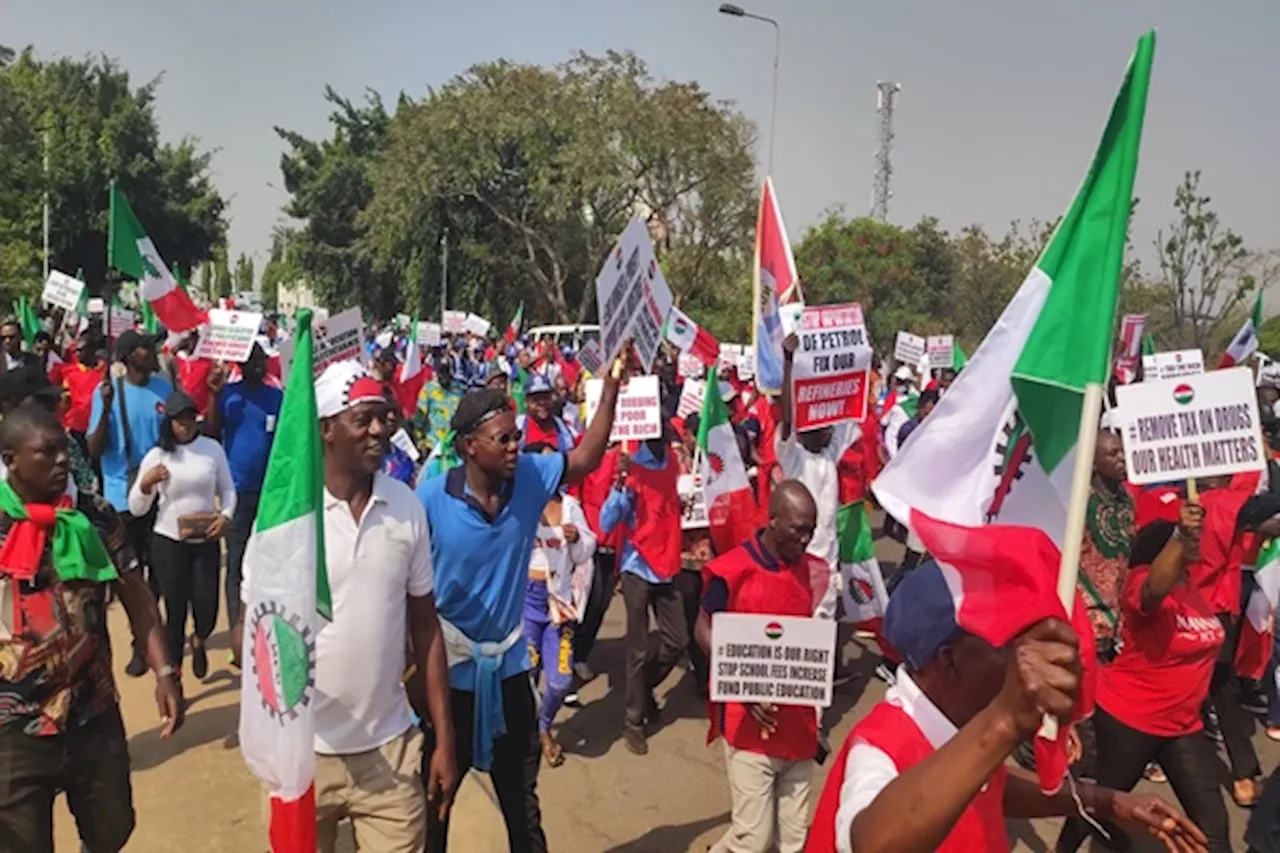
(483, 516)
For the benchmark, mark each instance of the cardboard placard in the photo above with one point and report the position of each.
(691, 397)
(590, 357)
(122, 319)
(454, 322)
(693, 503)
(789, 317)
(730, 354)
(782, 660)
(831, 373)
(909, 348)
(747, 364)
(62, 291)
(476, 325)
(633, 296)
(229, 335)
(401, 439)
(639, 413)
(1170, 365)
(95, 305)
(1202, 425)
(941, 350)
(690, 366)
(429, 334)
(336, 338)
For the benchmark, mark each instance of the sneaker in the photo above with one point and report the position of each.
(633, 736)
(572, 700)
(137, 666)
(1155, 774)
(199, 661)
(885, 674)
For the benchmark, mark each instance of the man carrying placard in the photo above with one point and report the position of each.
(769, 749)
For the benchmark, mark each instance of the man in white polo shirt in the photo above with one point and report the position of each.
(378, 554)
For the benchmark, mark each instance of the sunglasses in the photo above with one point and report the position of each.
(506, 438)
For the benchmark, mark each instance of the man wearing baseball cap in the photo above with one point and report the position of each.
(987, 654)
(369, 755)
(540, 425)
(124, 423)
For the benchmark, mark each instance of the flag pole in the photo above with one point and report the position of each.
(1073, 538)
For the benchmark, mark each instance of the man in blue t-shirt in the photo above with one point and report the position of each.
(124, 423)
(244, 420)
(483, 516)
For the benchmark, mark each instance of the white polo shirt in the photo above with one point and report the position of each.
(818, 472)
(868, 770)
(374, 564)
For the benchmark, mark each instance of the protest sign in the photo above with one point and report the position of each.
(338, 338)
(941, 350)
(639, 412)
(690, 365)
(693, 503)
(691, 397)
(730, 354)
(454, 322)
(95, 305)
(62, 291)
(1201, 425)
(122, 319)
(401, 439)
(783, 660)
(747, 364)
(789, 316)
(476, 325)
(229, 335)
(632, 296)
(909, 348)
(832, 368)
(428, 334)
(402, 321)
(1170, 365)
(590, 357)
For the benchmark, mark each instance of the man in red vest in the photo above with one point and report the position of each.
(925, 770)
(769, 749)
(645, 504)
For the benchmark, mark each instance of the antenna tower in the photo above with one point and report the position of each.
(886, 94)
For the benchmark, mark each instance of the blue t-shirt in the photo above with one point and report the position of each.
(249, 414)
(145, 405)
(481, 564)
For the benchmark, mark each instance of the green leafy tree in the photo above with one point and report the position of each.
(95, 127)
(281, 267)
(242, 278)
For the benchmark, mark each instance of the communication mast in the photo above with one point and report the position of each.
(886, 94)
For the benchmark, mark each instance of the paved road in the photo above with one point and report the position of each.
(193, 793)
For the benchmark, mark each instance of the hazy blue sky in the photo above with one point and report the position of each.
(1002, 101)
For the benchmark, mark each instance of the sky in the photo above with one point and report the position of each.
(1001, 107)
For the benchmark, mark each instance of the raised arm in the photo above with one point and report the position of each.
(789, 345)
(1169, 564)
(585, 458)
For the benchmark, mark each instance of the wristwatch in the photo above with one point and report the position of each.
(166, 671)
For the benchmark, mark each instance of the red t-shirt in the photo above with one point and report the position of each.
(1161, 676)
(81, 383)
(1218, 573)
(534, 434)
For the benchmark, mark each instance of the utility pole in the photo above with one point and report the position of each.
(444, 272)
(46, 204)
(886, 94)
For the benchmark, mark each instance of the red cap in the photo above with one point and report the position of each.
(1163, 503)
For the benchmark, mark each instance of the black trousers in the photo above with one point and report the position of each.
(189, 583)
(90, 763)
(1191, 763)
(646, 668)
(1235, 723)
(138, 530)
(516, 758)
(584, 637)
(237, 539)
(689, 582)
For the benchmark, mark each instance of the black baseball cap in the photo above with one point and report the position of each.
(179, 402)
(131, 339)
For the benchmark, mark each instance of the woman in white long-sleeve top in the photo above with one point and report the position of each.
(187, 471)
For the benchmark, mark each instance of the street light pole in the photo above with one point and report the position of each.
(444, 272)
(46, 205)
(736, 11)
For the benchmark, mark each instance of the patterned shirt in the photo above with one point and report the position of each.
(1104, 557)
(55, 657)
(436, 405)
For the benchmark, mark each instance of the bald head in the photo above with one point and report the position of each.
(792, 517)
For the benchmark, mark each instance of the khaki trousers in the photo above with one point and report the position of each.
(380, 791)
(768, 794)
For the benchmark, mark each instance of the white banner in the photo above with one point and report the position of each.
(941, 351)
(632, 296)
(690, 366)
(476, 325)
(62, 291)
(1202, 425)
(831, 371)
(909, 348)
(1170, 365)
(782, 660)
(229, 335)
(429, 334)
(691, 397)
(639, 413)
(693, 503)
(338, 338)
(454, 322)
(122, 319)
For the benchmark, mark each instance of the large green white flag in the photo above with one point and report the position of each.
(1000, 445)
(288, 599)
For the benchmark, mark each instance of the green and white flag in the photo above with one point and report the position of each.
(863, 590)
(1000, 444)
(288, 602)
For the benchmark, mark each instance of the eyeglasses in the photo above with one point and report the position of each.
(506, 438)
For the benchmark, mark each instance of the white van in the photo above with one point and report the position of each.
(574, 336)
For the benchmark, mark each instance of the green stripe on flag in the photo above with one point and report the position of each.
(1070, 345)
(294, 483)
(853, 532)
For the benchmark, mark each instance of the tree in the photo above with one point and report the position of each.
(1204, 265)
(243, 277)
(281, 266)
(537, 171)
(97, 127)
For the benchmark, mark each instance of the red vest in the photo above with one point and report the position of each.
(889, 729)
(759, 584)
(656, 533)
